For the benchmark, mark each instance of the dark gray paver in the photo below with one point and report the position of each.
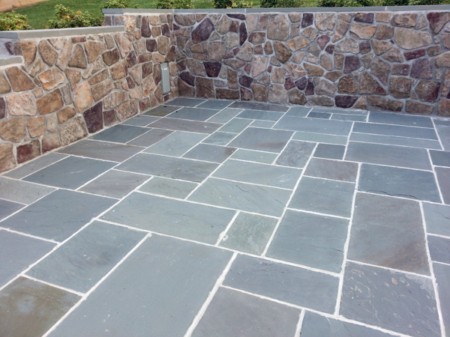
(296, 154)
(332, 169)
(162, 110)
(276, 176)
(388, 232)
(440, 158)
(21, 191)
(176, 168)
(160, 299)
(439, 249)
(212, 153)
(232, 313)
(312, 240)
(331, 127)
(235, 125)
(443, 177)
(58, 215)
(315, 325)
(318, 114)
(285, 283)
(256, 156)
(444, 134)
(176, 144)
(388, 155)
(35, 165)
(71, 172)
(261, 114)
(185, 125)
(168, 187)
(172, 217)
(323, 196)
(258, 199)
(437, 218)
(262, 139)
(399, 119)
(395, 130)
(120, 133)
(195, 114)
(140, 120)
(259, 106)
(184, 101)
(249, 233)
(298, 111)
(442, 274)
(348, 118)
(150, 137)
(259, 123)
(399, 182)
(391, 300)
(8, 208)
(83, 260)
(115, 184)
(219, 138)
(215, 104)
(330, 151)
(320, 137)
(17, 252)
(225, 115)
(394, 140)
(101, 150)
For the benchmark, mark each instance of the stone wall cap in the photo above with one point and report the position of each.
(11, 60)
(47, 33)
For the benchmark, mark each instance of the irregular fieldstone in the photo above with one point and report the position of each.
(78, 59)
(330, 49)
(2, 108)
(28, 51)
(147, 69)
(369, 85)
(48, 54)
(322, 41)
(347, 46)
(82, 96)
(321, 100)
(13, 129)
(259, 65)
(50, 102)
(124, 44)
(326, 62)
(384, 103)
(301, 83)
(384, 32)
(245, 81)
(282, 53)
(7, 160)
(151, 45)
(257, 37)
(204, 87)
(438, 20)
(418, 108)
(444, 107)
(242, 33)
(111, 56)
(400, 69)
(381, 70)
(410, 55)
(28, 151)
(295, 96)
(102, 89)
(345, 101)
(212, 68)
(364, 47)
(289, 83)
(422, 68)
(202, 31)
(400, 87)
(309, 90)
(36, 126)
(427, 91)
(93, 50)
(325, 87)
(74, 76)
(278, 28)
(408, 20)
(443, 60)
(260, 92)
(65, 114)
(307, 19)
(119, 70)
(393, 55)
(73, 130)
(313, 70)
(51, 78)
(411, 39)
(380, 47)
(145, 27)
(298, 42)
(19, 80)
(99, 77)
(325, 21)
(348, 84)
(4, 84)
(351, 63)
(163, 44)
(363, 31)
(185, 19)
(21, 104)
(188, 78)
(227, 94)
(93, 118)
(364, 17)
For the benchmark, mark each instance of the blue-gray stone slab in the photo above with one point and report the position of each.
(140, 120)
(83, 260)
(394, 140)
(214, 153)
(312, 240)
(249, 233)
(332, 169)
(30, 308)
(320, 137)
(120, 133)
(388, 232)
(168, 187)
(177, 124)
(399, 182)
(399, 119)
(8, 208)
(388, 155)
(349, 118)
(256, 156)
(173, 217)
(440, 158)
(17, 252)
(71, 172)
(225, 115)
(296, 154)
(298, 111)
(35, 165)
(58, 215)
(442, 274)
(259, 106)
(444, 134)
(195, 114)
(184, 101)
(23, 192)
(175, 168)
(150, 137)
(395, 130)
(286, 283)
(443, 177)
(437, 218)
(245, 197)
(332, 127)
(176, 144)
(160, 288)
(162, 110)
(101, 150)
(235, 125)
(261, 114)
(259, 123)
(276, 176)
(262, 139)
(391, 300)
(215, 104)
(318, 114)
(330, 151)
(324, 196)
(439, 249)
(219, 138)
(232, 313)
(315, 325)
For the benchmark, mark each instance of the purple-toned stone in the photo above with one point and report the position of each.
(288, 83)
(400, 69)
(421, 68)
(364, 17)
(131, 59)
(212, 68)
(438, 20)
(345, 101)
(307, 19)
(234, 27)
(245, 81)
(202, 31)
(351, 63)
(147, 69)
(109, 117)
(236, 16)
(151, 45)
(94, 118)
(428, 91)
(2, 108)
(188, 78)
(28, 151)
(410, 55)
(145, 28)
(165, 30)
(364, 47)
(330, 49)
(242, 33)
(309, 88)
(301, 83)
(323, 40)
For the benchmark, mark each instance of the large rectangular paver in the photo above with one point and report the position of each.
(172, 217)
(83, 260)
(261, 114)
(7, 208)
(332, 169)
(296, 154)
(320, 137)
(285, 283)
(332, 127)
(442, 274)
(259, 106)
(150, 137)
(176, 143)
(390, 300)
(235, 125)
(400, 119)
(185, 125)
(225, 115)
(444, 135)
(196, 114)
(22, 191)
(159, 288)
(35, 165)
(120, 133)
(394, 140)
(168, 187)
(161, 110)
(214, 153)
(256, 156)
(395, 130)
(262, 139)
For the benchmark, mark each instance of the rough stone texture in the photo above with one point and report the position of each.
(21, 104)
(412, 39)
(19, 79)
(7, 160)
(28, 151)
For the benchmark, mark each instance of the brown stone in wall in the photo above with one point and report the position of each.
(295, 96)
(72, 130)
(48, 54)
(411, 39)
(202, 31)
(400, 87)
(102, 89)
(51, 78)
(18, 79)
(19, 104)
(28, 151)
(410, 55)
(348, 84)
(278, 27)
(13, 129)
(313, 70)
(74, 76)
(260, 92)
(384, 103)
(307, 19)
(65, 114)
(99, 77)
(109, 117)
(94, 49)
(427, 91)
(351, 63)
(384, 32)
(7, 160)
(212, 68)
(50, 141)
(82, 96)
(325, 21)
(400, 69)
(369, 85)
(405, 20)
(381, 70)
(111, 56)
(204, 87)
(363, 31)
(2, 108)
(227, 94)
(4, 84)
(50, 102)
(421, 68)
(78, 59)
(393, 55)
(443, 60)
(364, 17)
(242, 33)
(119, 70)
(28, 50)
(418, 108)
(438, 20)
(444, 107)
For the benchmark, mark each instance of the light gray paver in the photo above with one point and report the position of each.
(332, 169)
(262, 139)
(443, 177)
(184, 101)
(261, 114)
(214, 153)
(235, 125)
(439, 249)
(150, 137)
(120, 133)
(168, 187)
(296, 154)
(8, 208)
(185, 125)
(22, 191)
(394, 140)
(161, 110)
(195, 114)
(400, 119)
(440, 158)
(442, 273)
(320, 137)
(219, 138)
(330, 151)
(395, 130)
(176, 143)
(437, 218)
(332, 127)
(35, 165)
(256, 156)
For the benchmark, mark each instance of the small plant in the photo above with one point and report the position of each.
(69, 18)
(223, 3)
(117, 4)
(13, 21)
(242, 4)
(172, 4)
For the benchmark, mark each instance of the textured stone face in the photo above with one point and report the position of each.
(278, 28)
(202, 31)
(28, 50)
(13, 129)
(7, 160)
(21, 104)
(51, 78)
(427, 90)
(48, 54)
(78, 59)
(49, 103)
(400, 87)
(19, 79)
(4, 84)
(411, 39)
(28, 151)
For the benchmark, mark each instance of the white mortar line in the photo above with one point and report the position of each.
(28, 235)
(41, 168)
(437, 134)
(433, 168)
(53, 285)
(390, 269)
(227, 228)
(298, 328)
(442, 236)
(300, 210)
(348, 141)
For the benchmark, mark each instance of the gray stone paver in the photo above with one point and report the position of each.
(250, 232)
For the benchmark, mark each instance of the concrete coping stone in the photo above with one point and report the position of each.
(10, 60)
(47, 33)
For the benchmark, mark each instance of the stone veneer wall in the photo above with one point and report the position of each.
(75, 82)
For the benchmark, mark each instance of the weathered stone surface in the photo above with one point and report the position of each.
(351, 63)
(93, 118)
(202, 31)
(384, 103)
(51, 78)
(325, 87)
(348, 84)
(212, 68)
(427, 91)
(245, 81)
(4, 84)
(298, 43)
(421, 68)
(282, 53)
(278, 28)
(380, 47)
(381, 70)
(102, 89)
(313, 70)
(384, 32)
(259, 65)
(364, 17)
(345, 101)
(242, 33)
(28, 50)
(405, 20)
(18, 79)
(99, 77)
(444, 107)
(443, 60)
(325, 21)
(111, 56)
(119, 70)
(65, 114)
(393, 55)
(326, 61)
(307, 19)
(93, 50)
(257, 37)
(204, 87)
(411, 39)
(13, 129)
(50, 102)
(7, 160)
(347, 46)
(418, 108)
(400, 87)
(72, 130)
(28, 151)
(48, 54)
(2, 108)
(400, 69)
(295, 96)
(260, 92)
(227, 94)
(369, 85)
(438, 20)
(21, 104)
(74, 76)
(78, 59)
(82, 96)
(363, 31)
(410, 55)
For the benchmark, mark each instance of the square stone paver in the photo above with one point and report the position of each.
(332, 169)
(296, 154)
(120, 133)
(213, 153)
(176, 144)
(262, 139)
(329, 151)
(169, 187)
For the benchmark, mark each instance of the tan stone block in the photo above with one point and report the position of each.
(7, 160)
(13, 129)
(400, 87)
(50, 141)
(297, 43)
(74, 76)
(19, 104)
(50, 103)
(119, 70)
(115, 98)
(380, 47)
(325, 21)
(313, 70)
(364, 32)
(19, 80)
(102, 89)
(383, 17)
(82, 96)
(126, 110)
(347, 46)
(28, 49)
(4, 84)
(36, 126)
(418, 108)
(277, 94)
(443, 60)
(124, 44)
(36, 67)
(48, 54)
(65, 114)
(94, 49)
(65, 54)
(405, 20)
(384, 103)
(51, 78)
(78, 59)
(444, 107)
(73, 130)
(411, 39)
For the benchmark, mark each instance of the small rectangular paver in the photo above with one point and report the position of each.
(195, 114)
(215, 104)
(388, 232)
(83, 260)
(286, 283)
(440, 158)
(160, 288)
(168, 187)
(250, 198)
(262, 139)
(140, 120)
(7, 208)
(30, 308)
(332, 169)
(320, 137)
(399, 182)
(296, 154)
(309, 239)
(150, 137)
(319, 114)
(259, 123)
(249, 233)
(224, 116)
(172, 217)
(437, 218)
(213, 153)
(394, 140)
(120, 133)
(235, 125)
(395, 130)
(177, 124)
(442, 274)
(162, 110)
(22, 191)
(323, 196)
(439, 249)
(232, 313)
(184, 101)
(58, 215)
(259, 106)
(261, 114)
(402, 303)
(256, 156)
(175, 168)
(332, 127)
(348, 118)
(35, 165)
(400, 119)
(443, 178)
(219, 138)
(176, 144)
(330, 151)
